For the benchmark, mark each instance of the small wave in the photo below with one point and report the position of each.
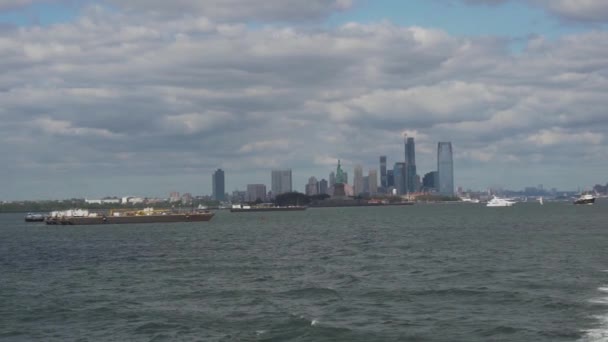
(599, 334)
(313, 292)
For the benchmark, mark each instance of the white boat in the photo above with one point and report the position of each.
(469, 200)
(499, 202)
(540, 200)
(585, 199)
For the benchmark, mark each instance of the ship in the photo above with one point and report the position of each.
(499, 202)
(585, 199)
(31, 217)
(240, 208)
(147, 215)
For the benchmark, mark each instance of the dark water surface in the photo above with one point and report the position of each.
(458, 272)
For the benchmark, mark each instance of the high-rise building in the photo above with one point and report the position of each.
(312, 188)
(358, 181)
(373, 181)
(345, 177)
(219, 185)
(429, 182)
(255, 192)
(174, 197)
(281, 182)
(323, 187)
(390, 178)
(365, 184)
(410, 162)
(399, 174)
(383, 182)
(332, 178)
(445, 168)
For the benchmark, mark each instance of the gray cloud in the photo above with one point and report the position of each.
(268, 10)
(588, 11)
(112, 103)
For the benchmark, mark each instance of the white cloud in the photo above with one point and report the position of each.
(160, 97)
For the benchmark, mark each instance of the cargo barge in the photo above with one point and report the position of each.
(148, 215)
(246, 208)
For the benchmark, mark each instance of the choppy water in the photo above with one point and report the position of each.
(422, 273)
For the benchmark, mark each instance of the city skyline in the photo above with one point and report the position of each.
(141, 98)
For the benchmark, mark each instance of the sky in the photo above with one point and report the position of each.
(144, 97)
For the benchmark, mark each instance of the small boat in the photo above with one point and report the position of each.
(540, 200)
(499, 202)
(469, 200)
(585, 199)
(30, 217)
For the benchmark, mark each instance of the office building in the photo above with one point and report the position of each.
(410, 162)
(323, 187)
(429, 182)
(445, 169)
(281, 182)
(332, 178)
(399, 175)
(373, 181)
(218, 185)
(312, 187)
(390, 178)
(358, 181)
(383, 180)
(256, 192)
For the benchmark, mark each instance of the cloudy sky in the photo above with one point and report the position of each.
(143, 97)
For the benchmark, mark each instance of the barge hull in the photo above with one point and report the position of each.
(130, 219)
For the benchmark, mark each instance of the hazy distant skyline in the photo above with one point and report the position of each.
(144, 97)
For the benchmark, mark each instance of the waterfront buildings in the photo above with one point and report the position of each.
(312, 187)
(323, 187)
(445, 168)
(383, 180)
(256, 192)
(399, 175)
(373, 182)
(358, 180)
(218, 185)
(410, 163)
(430, 180)
(281, 182)
(332, 178)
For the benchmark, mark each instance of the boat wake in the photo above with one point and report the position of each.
(600, 333)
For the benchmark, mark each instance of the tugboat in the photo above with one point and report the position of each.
(585, 199)
(30, 217)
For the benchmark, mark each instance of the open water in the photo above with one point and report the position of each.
(459, 272)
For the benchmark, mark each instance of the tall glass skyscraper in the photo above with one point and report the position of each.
(445, 168)
(219, 185)
(383, 182)
(410, 164)
(399, 174)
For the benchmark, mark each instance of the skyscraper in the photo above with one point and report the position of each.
(219, 185)
(323, 187)
(399, 174)
(373, 181)
(429, 182)
(281, 182)
(445, 168)
(312, 187)
(358, 181)
(390, 178)
(410, 163)
(383, 181)
(332, 178)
